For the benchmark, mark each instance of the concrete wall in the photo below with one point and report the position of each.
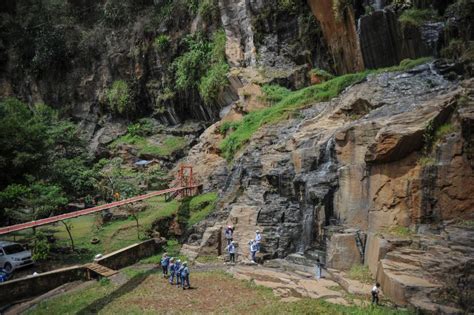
(15, 290)
(129, 255)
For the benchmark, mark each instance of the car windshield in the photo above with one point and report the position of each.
(13, 249)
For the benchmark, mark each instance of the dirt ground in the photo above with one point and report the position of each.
(210, 291)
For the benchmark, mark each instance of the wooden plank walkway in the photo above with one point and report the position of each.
(100, 270)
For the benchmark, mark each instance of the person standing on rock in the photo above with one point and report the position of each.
(229, 234)
(171, 270)
(318, 269)
(375, 293)
(258, 239)
(165, 260)
(253, 250)
(231, 250)
(184, 274)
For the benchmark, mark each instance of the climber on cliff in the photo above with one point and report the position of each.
(253, 250)
(258, 239)
(165, 260)
(184, 274)
(231, 250)
(229, 232)
(177, 270)
(375, 293)
(171, 270)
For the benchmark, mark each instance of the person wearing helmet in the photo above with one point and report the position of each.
(229, 233)
(231, 250)
(165, 260)
(172, 272)
(177, 270)
(253, 250)
(185, 276)
(258, 239)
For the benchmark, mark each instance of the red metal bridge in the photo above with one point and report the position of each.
(186, 187)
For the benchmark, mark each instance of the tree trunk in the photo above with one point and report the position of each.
(70, 235)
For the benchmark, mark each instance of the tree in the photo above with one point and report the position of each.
(69, 226)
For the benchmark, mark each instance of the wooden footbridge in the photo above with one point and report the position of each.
(185, 187)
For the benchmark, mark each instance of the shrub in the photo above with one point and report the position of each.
(454, 50)
(118, 97)
(116, 12)
(209, 10)
(141, 129)
(322, 74)
(41, 247)
(274, 93)
(161, 42)
(416, 17)
(203, 66)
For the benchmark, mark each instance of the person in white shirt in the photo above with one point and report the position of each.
(258, 239)
(375, 293)
(253, 250)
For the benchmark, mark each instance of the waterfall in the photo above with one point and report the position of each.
(318, 184)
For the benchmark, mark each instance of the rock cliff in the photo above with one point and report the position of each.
(389, 154)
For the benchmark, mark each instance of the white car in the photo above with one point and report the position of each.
(14, 256)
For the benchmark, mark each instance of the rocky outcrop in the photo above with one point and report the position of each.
(352, 166)
(339, 29)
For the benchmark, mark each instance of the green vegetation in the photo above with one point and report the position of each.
(416, 17)
(444, 130)
(400, 231)
(321, 74)
(291, 102)
(227, 126)
(426, 161)
(118, 98)
(162, 147)
(161, 42)
(172, 248)
(203, 66)
(274, 93)
(209, 10)
(195, 209)
(360, 273)
(43, 162)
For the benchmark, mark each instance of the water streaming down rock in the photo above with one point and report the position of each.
(319, 185)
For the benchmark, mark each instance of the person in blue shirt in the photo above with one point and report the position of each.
(231, 250)
(165, 260)
(177, 270)
(184, 273)
(171, 270)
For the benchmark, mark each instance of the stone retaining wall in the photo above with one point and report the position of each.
(19, 289)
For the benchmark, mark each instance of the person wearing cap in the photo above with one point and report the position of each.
(184, 273)
(258, 239)
(253, 250)
(165, 260)
(172, 271)
(231, 250)
(177, 270)
(229, 232)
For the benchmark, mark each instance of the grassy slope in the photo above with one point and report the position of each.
(291, 101)
(169, 145)
(215, 292)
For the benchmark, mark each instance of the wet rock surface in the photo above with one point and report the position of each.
(305, 180)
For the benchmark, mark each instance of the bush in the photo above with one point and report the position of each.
(116, 12)
(322, 74)
(416, 17)
(161, 42)
(454, 50)
(203, 66)
(41, 247)
(274, 93)
(141, 129)
(118, 97)
(209, 10)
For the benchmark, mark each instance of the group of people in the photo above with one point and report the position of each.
(172, 268)
(254, 244)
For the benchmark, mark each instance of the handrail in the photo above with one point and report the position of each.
(75, 214)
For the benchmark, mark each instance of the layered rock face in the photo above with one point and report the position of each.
(389, 154)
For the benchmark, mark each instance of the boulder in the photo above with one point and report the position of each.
(343, 252)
